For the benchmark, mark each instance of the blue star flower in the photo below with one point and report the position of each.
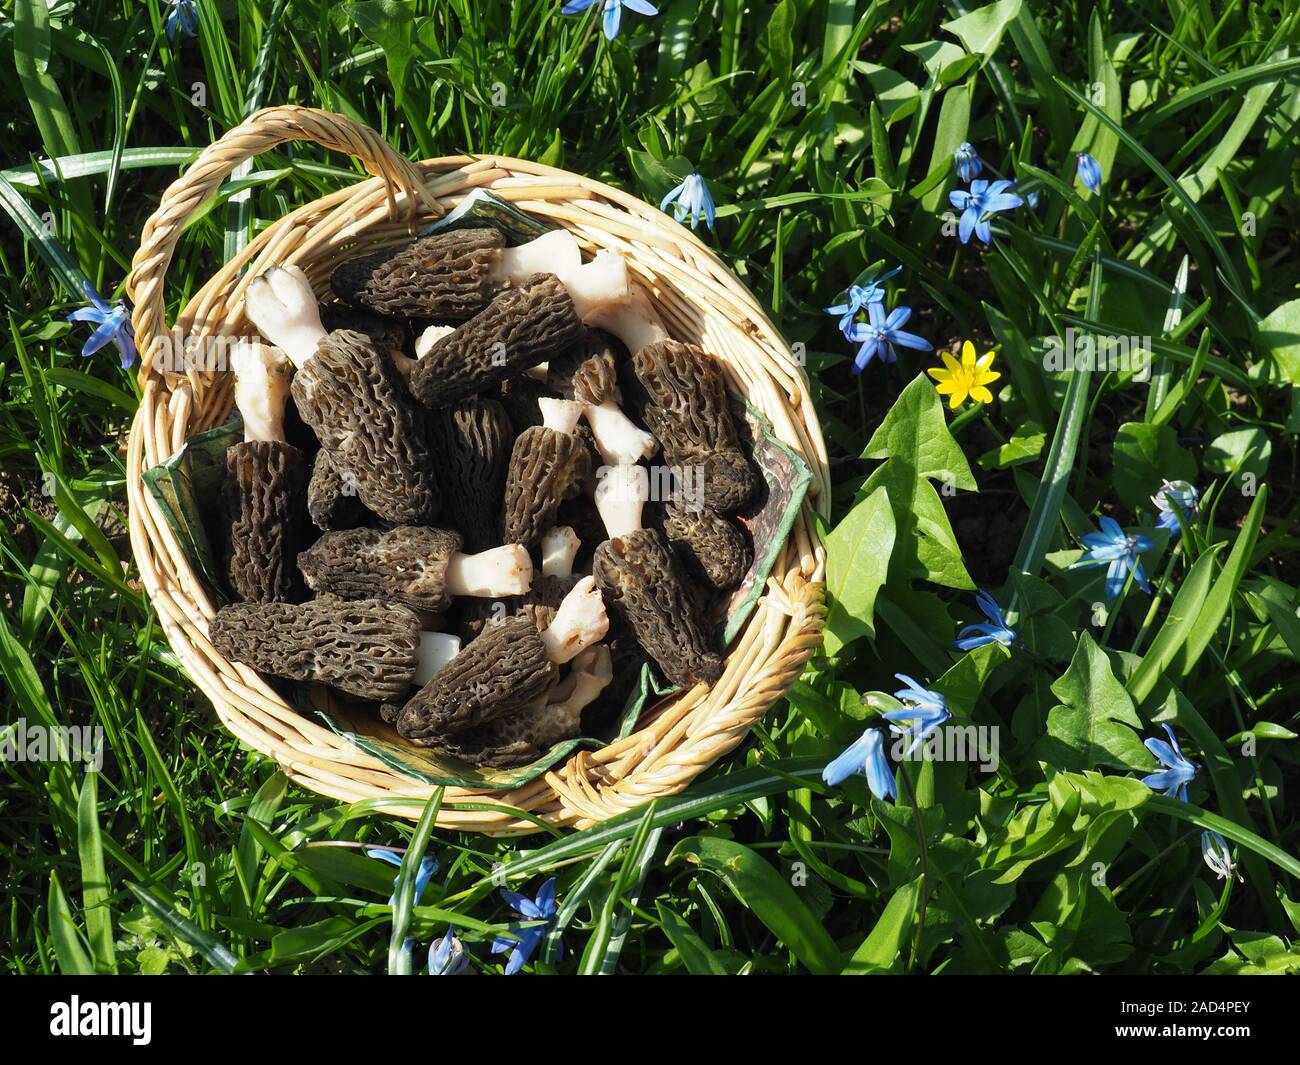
(865, 755)
(926, 710)
(522, 943)
(995, 631)
(1089, 171)
(185, 16)
(428, 866)
(1115, 548)
(1175, 497)
(857, 298)
(447, 956)
(967, 164)
(1218, 856)
(691, 198)
(880, 333)
(613, 11)
(1178, 771)
(977, 205)
(114, 323)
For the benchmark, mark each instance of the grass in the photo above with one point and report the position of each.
(825, 129)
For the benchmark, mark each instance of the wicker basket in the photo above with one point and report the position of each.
(677, 737)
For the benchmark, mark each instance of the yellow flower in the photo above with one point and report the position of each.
(957, 380)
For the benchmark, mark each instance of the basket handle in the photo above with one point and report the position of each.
(260, 132)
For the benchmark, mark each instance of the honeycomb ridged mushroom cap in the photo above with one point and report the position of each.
(621, 494)
(261, 389)
(580, 622)
(280, 302)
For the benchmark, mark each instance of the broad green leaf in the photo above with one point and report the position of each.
(1279, 338)
(1238, 452)
(1178, 625)
(68, 949)
(694, 952)
(857, 563)
(1096, 724)
(1145, 457)
(882, 950)
(981, 30)
(767, 893)
(916, 431)
(95, 892)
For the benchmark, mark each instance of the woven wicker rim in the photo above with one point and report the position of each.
(701, 300)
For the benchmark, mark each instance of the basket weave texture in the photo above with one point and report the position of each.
(700, 300)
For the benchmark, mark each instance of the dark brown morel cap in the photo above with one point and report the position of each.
(588, 371)
(711, 547)
(513, 740)
(546, 468)
(544, 597)
(264, 493)
(390, 335)
(366, 649)
(472, 441)
(686, 408)
(642, 581)
(523, 326)
(357, 404)
(501, 672)
(519, 396)
(407, 564)
(445, 276)
(332, 502)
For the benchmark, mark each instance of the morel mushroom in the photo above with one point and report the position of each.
(422, 568)
(642, 581)
(446, 275)
(265, 482)
(688, 411)
(593, 385)
(390, 336)
(525, 736)
(503, 671)
(352, 397)
(711, 547)
(523, 326)
(331, 501)
(366, 649)
(472, 441)
(559, 547)
(547, 466)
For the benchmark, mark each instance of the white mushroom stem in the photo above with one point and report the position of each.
(556, 252)
(603, 282)
(590, 675)
(560, 414)
(559, 549)
(540, 372)
(634, 321)
(579, 622)
(436, 650)
(504, 570)
(261, 389)
(426, 340)
(621, 492)
(282, 305)
(618, 439)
